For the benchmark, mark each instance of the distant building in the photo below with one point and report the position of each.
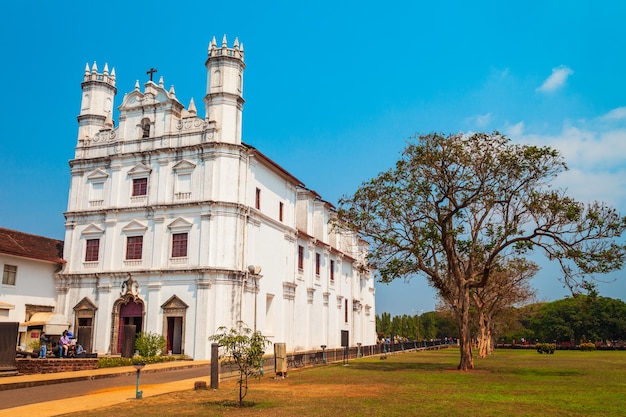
(175, 226)
(27, 292)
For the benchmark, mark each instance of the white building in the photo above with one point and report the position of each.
(27, 290)
(175, 226)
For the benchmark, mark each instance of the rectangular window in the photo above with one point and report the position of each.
(97, 191)
(280, 211)
(9, 274)
(346, 305)
(92, 250)
(179, 245)
(332, 270)
(317, 263)
(134, 247)
(300, 257)
(140, 186)
(257, 203)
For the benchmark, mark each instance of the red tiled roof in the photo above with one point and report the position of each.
(22, 244)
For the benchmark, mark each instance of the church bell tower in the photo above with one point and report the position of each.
(96, 109)
(224, 89)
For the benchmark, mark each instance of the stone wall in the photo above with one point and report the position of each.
(50, 366)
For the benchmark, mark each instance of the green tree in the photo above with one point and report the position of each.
(580, 318)
(509, 285)
(453, 206)
(245, 349)
(383, 325)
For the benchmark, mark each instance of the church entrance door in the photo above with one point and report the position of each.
(130, 324)
(175, 335)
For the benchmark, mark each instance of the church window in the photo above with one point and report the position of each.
(97, 193)
(281, 207)
(145, 128)
(216, 78)
(269, 314)
(86, 102)
(9, 274)
(318, 259)
(140, 186)
(257, 203)
(179, 245)
(134, 247)
(92, 250)
(332, 270)
(183, 186)
(300, 257)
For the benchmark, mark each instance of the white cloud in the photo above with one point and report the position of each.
(596, 158)
(556, 80)
(615, 114)
(481, 120)
(515, 131)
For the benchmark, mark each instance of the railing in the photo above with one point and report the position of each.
(179, 261)
(182, 196)
(319, 357)
(138, 199)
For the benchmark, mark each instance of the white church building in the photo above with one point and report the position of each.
(175, 226)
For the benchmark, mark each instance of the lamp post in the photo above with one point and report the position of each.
(323, 354)
(138, 366)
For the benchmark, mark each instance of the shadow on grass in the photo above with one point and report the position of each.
(230, 404)
(544, 372)
(385, 366)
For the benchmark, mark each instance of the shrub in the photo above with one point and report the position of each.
(587, 346)
(117, 361)
(548, 348)
(150, 344)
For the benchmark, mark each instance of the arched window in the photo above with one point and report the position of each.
(145, 128)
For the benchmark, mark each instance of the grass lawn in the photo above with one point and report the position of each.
(509, 382)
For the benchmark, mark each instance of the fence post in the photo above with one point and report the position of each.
(215, 366)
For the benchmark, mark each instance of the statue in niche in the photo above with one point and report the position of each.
(130, 286)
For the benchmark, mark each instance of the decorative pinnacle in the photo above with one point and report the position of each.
(235, 52)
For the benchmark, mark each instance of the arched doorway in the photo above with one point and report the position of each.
(127, 323)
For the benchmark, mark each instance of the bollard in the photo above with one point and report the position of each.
(215, 366)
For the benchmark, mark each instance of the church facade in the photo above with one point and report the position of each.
(175, 226)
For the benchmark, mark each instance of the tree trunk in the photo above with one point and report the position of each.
(465, 334)
(483, 341)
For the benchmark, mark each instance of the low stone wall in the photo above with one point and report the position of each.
(50, 366)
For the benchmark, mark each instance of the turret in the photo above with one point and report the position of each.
(224, 89)
(97, 104)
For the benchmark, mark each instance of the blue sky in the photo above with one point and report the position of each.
(333, 90)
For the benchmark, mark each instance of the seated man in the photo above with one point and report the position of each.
(64, 344)
(80, 352)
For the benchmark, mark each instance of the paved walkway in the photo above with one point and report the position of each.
(96, 399)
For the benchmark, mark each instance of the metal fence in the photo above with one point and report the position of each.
(299, 359)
